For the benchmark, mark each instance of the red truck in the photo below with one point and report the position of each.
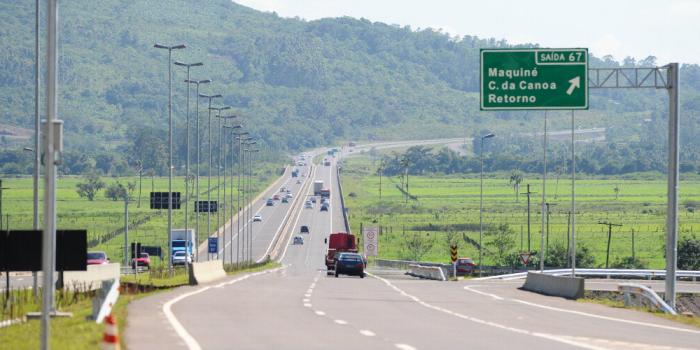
(339, 242)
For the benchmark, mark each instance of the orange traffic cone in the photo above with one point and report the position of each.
(110, 340)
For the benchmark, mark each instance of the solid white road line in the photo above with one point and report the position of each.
(179, 328)
(581, 313)
(404, 347)
(307, 304)
(482, 293)
(560, 339)
(340, 322)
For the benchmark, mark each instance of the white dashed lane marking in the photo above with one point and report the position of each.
(367, 333)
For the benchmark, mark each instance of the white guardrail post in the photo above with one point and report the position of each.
(105, 299)
(634, 292)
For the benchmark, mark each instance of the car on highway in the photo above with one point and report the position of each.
(97, 258)
(308, 205)
(349, 264)
(324, 200)
(285, 200)
(257, 218)
(312, 199)
(289, 195)
(298, 182)
(324, 207)
(276, 197)
(298, 240)
(465, 266)
(270, 202)
(282, 189)
(304, 229)
(181, 258)
(143, 260)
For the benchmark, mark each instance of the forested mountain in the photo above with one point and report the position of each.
(297, 83)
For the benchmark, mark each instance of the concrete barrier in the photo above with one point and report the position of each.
(561, 286)
(428, 272)
(92, 278)
(206, 271)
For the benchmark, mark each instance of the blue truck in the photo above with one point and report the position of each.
(183, 240)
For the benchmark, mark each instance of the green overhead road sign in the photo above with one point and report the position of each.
(534, 79)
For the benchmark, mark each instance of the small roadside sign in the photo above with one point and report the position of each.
(453, 253)
(525, 257)
(213, 245)
(371, 241)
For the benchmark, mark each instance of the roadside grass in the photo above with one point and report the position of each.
(616, 303)
(448, 205)
(159, 278)
(78, 332)
(103, 218)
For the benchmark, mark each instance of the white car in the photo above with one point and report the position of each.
(181, 258)
(308, 205)
(257, 218)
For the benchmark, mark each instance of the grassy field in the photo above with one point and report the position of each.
(448, 206)
(104, 218)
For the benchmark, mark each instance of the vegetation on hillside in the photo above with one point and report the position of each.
(297, 84)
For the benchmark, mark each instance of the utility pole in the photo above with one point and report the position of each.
(543, 250)
(528, 193)
(547, 234)
(126, 230)
(568, 242)
(633, 254)
(609, 225)
(37, 138)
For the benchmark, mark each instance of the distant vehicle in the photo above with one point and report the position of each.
(276, 197)
(285, 200)
(465, 266)
(318, 186)
(298, 240)
(270, 202)
(298, 182)
(181, 258)
(313, 199)
(289, 195)
(295, 172)
(326, 162)
(339, 242)
(257, 218)
(183, 240)
(324, 207)
(288, 190)
(352, 144)
(97, 258)
(282, 189)
(308, 205)
(349, 264)
(143, 260)
(304, 229)
(324, 200)
(325, 193)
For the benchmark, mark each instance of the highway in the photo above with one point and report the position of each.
(297, 306)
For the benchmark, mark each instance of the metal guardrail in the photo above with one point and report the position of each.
(601, 272)
(636, 295)
(342, 201)
(105, 299)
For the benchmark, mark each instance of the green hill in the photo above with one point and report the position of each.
(297, 83)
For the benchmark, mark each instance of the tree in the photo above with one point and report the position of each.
(628, 263)
(416, 245)
(502, 240)
(516, 177)
(117, 191)
(689, 253)
(558, 256)
(90, 187)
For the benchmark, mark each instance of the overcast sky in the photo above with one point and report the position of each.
(667, 29)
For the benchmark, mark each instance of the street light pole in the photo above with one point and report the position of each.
(209, 97)
(543, 251)
(187, 142)
(222, 151)
(37, 125)
(231, 193)
(170, 148)
(218, 169)
(481, 201)
(239, 137)
(196, 217)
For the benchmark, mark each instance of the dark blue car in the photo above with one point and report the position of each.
(350, 264)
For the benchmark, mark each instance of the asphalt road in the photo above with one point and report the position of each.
(298, 306)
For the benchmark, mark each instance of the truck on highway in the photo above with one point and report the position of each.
(325, 193)
(183, 240)
(326, 162)
(295, 172)
(339, 242)
(318, 186)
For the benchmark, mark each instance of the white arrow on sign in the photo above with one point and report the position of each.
(575, 83)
